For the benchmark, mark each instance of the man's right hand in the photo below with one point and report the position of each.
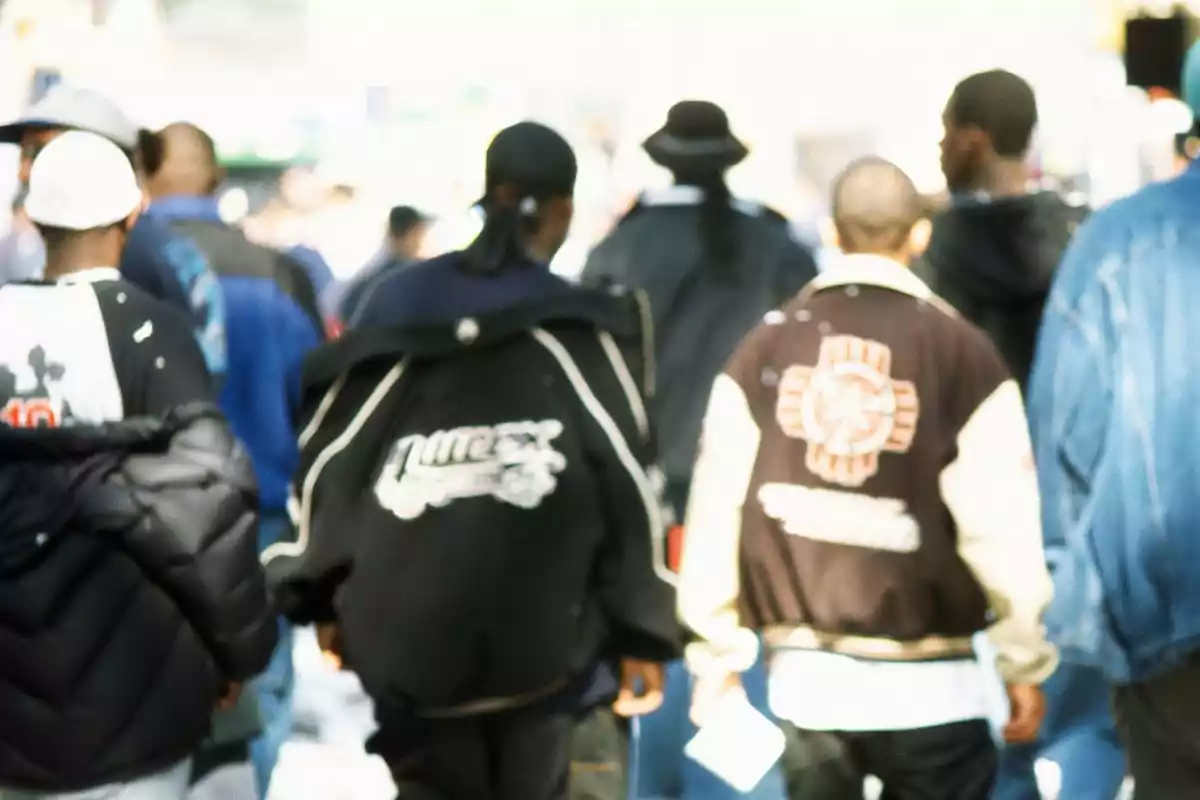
(1027, 708)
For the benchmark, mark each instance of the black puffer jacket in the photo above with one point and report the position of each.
(130, 594)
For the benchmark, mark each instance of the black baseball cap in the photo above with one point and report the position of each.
(534, 158)
(402, 220)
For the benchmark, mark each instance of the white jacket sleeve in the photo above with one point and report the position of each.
(708, 584)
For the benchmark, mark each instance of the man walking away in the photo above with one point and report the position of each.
(865, 499)
(992, 255)
(711, 265)
(406, 232)
(272, 322)
(994, 249)
(1112, 400)
(130, 598)
(513, 542)
(169, 269)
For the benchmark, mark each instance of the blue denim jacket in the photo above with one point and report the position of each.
(1114, 409)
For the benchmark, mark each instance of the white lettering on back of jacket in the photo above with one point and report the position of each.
(512, 462)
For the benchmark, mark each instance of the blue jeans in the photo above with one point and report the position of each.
(658, 767)
(1078, 735)
(277, 684)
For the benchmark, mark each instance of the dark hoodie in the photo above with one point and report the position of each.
(994, 261)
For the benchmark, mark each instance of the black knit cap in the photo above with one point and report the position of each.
(535, 159)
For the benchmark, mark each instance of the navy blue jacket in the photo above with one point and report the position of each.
(272, 321)
(438, 290)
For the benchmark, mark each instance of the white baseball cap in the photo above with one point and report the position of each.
(81, 181)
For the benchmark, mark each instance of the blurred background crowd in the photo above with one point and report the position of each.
(353, 132)
(327, 113)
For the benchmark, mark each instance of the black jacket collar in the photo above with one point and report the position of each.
(611, 309)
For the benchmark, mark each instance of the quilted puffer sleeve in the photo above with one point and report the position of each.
(196, 536)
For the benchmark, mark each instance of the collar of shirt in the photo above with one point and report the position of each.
(90, 275)
(186, 207)
(870, 270)
(684, 195)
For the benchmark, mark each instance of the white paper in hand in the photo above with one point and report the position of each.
(737, 743)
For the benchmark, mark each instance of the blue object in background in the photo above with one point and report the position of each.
(1077, 734)
(658, 767)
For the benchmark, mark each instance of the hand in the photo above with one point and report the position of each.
(329, 639)
(641, 688)
(707, 690)
(1027, 707)
(229, 698)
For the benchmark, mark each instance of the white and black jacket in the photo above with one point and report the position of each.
(130, 594)
(476, 505)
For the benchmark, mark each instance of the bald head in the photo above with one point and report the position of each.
(187, 163)
(875, 207)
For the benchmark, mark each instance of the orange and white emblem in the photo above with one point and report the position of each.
(848, 409)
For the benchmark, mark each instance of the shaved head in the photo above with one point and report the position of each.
(188, 164)
(875, 207)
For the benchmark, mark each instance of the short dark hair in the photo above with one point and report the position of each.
(402, 220)
(875, 206)
(1000, 104)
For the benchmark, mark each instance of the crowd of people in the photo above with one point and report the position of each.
(555, 527)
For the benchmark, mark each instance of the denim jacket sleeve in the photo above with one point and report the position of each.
(1071, 386)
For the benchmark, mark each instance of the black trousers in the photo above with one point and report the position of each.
(1159, 722)
(526, 754)
(947, 762)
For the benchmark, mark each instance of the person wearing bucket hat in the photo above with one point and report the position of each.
(695, 140)
(500, 652)
(168, 267)
(711, 265)
(1112, 403)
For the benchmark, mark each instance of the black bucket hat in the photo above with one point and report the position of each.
(696, 137)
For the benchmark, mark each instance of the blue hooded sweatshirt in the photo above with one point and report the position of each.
(271, 323)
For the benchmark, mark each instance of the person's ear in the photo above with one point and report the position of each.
(918, 237)
(829, 234)
(132, 219)
(219, 176)
(975, 142)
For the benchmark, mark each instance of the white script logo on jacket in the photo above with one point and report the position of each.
(512, 462)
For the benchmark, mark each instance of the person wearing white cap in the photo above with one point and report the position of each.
(169, 267)
(115, 657)
(85, 189)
